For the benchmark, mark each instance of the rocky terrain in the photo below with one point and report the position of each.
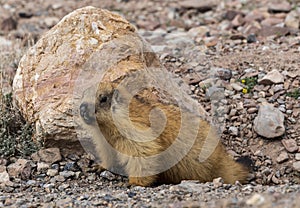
(247, 51)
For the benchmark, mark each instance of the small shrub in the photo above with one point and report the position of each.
(294, 94)
(249, 83)
(15, 132)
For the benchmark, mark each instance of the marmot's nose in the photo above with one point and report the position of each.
(86, 113)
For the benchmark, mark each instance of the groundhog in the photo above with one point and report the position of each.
(127, 121)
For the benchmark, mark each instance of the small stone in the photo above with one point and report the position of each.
(281, 6)
(63, 187)
(251, 38)
(252, 110)
(201, 6)
(224, 74)
(49, 185)
(271, 21)
(51, 21)
(273, 77)
(108, 175)
(266, 31)
(233, 112)
(56, 6)
(275, 179)
(233, 130)
(278, 87)
(292, 120)
(4, 176)
(21, 168)
(72, 166)
(31, 182)
(236, 87)
(214, 93)
(290, 145)
(282, 157)
(269, 122)
(52, 172)
(50, 155)
(25, 14)
(3, 161)
(59, 178)
(67, 174)
(255, 200)
(297, 156)
(238, 20)
(296, 166)
(218, 182)
(41, 166)
(292, 20)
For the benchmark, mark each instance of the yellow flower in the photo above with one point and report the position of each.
(245, 90)
(243, 81)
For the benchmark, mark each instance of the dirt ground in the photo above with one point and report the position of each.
(242, 39)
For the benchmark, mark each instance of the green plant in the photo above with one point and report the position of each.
(294, 94)
(249, 83)
(15, 132)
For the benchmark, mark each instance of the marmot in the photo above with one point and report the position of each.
(143, 172)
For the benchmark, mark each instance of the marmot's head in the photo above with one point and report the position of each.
(100, 110)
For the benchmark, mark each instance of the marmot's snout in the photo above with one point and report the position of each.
(87, 113)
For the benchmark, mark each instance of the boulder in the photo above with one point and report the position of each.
(269, 122)
(45, 80)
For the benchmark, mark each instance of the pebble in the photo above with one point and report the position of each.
(283, 157)
(290, 145)
(297, 156)
(108, 175)
(236, 87)
(292, 20)
(41, 166)
(251, 38)
(52, 172)
(67, 174)
(252, 110)
(31, 182)
(233, 130)
(269, 122)
(218, 182)
(4, 176)
(296, 166)
(273, 77)
(282, 6)
(20, 168)
(50, 155)
(255, 200)
(59, 178)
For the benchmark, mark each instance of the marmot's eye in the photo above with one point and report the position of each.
(103, 99)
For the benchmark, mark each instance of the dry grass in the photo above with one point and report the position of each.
(15, 132)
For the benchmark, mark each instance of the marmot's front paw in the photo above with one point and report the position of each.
(142, 181)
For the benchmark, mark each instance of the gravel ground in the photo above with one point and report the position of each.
(234, 44)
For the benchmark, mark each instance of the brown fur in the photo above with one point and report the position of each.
(218, 164)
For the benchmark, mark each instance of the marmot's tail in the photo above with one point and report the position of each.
(232, 171)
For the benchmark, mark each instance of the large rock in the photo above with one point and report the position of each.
(44, 83)
(269, 122)
(273, 77)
